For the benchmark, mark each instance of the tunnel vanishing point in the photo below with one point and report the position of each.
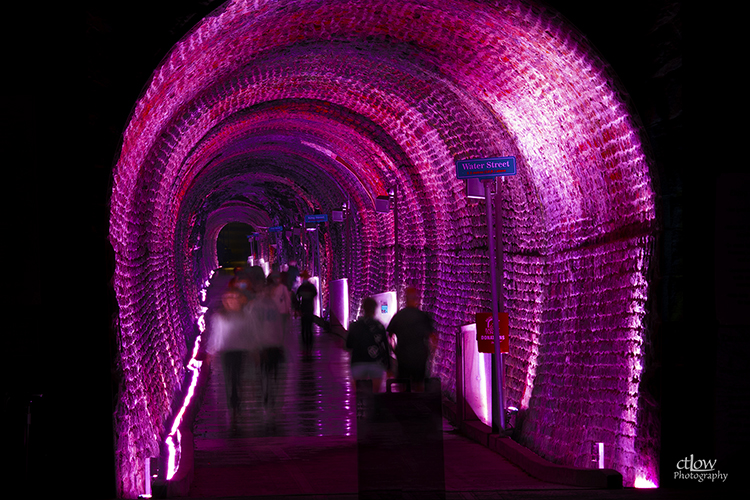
(269, 110)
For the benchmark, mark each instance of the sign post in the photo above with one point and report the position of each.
(486, 336)
(488, 169)
(315, 218)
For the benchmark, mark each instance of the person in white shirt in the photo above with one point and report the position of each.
(231, 340)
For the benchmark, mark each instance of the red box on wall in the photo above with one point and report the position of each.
(486, 335)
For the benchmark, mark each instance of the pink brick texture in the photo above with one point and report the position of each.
(268, 110)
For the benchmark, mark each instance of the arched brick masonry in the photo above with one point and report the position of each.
(301, 105)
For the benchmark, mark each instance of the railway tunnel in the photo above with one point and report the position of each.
(267, 111)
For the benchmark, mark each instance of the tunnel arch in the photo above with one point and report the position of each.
(232, 243)
(300, 105)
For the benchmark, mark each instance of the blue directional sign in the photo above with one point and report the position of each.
(486, 168)
(275, 229)
(314, 218)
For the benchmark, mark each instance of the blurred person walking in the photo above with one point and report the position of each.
(368, 342)
(230, 340)
(241, 282)
(281, 297)
(257, 281)
(415, 340)
(268, 330)
(292, 273)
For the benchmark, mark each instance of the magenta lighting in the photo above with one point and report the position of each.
(261, 115)
(174, 438)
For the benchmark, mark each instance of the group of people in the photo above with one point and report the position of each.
(370, 343)
(252, 321)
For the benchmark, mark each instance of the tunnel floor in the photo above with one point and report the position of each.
(303, 444)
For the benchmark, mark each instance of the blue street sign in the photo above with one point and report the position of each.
(316, 218)
(486, 168)
(275, 229)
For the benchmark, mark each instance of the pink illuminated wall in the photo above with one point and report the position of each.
(269, 110)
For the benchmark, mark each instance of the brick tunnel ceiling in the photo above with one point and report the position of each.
(268, 110)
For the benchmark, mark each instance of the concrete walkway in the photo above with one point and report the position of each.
(303, 444)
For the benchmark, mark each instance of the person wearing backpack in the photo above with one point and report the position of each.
(368, 342)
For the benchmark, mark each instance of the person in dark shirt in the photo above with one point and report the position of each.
(368, 343)
(415, 339)
(292, 273)
(306, 294)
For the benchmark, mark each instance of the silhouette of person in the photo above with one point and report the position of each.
(368, 343)
(306, 294)
(292, 274)
(415, 339)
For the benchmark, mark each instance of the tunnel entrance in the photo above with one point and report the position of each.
(232, 245)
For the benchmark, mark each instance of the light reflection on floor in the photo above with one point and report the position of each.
(305, 443)
(313, 396)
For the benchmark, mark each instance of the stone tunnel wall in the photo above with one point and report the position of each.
(271, 110)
